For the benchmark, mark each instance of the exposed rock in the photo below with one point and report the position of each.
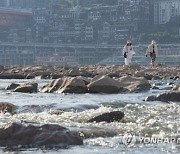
(154, 87)
(148, 76)
(170, 83)
(7, 107)
(52, 86)
(27, 88)
(134, 84)
(176, 78)
(176, 87)
(85, 73)
(157, 78)
(30, 136)
(86, 80)
(165, 97)
(98, 132)
(72, 85)
(12, 76)
(103, 84)
(12, 86)
(1, 68)
(30, 76)
(150, 98)
(169, 96)
(108, 117)
(73, 72)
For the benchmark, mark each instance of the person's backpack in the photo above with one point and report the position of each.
(125, 55)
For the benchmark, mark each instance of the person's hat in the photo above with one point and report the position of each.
(153, 42)
(129, 42)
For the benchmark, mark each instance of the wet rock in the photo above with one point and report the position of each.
(98, 132)
(150, 98)
(157, 78)
(7, 107)
(30, 76)
(85, 73)
(73, 72)
(148, 76)
(134, 84)
(52, 86)
(27, 88)
(169, 96)
(103, 84)
(165, 97)
(12, 76)
(176, 78)
(176, 88)
(108, 117)
(170, 83)
(12, 86)
(154, 87)
(86, 80)
(31, 136)
(72, 85)
(1, 68)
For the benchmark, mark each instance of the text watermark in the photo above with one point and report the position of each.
(131, 139)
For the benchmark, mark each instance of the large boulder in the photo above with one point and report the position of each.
(103, 84)
(52, 86)
(169, 96)
(72, 85)
(165, 97)
(7, 107)
(30, 136)
(134, 84)
(27, 88)
(108, 117)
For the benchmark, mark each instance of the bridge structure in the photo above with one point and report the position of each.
(26, 53)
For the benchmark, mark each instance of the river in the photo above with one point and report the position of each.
(142, 122)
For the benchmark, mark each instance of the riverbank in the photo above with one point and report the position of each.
(54, 72)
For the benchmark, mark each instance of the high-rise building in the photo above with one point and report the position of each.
(4, 3)
(164, 10)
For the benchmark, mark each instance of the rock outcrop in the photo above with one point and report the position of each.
(134, 84)
(52, 86)
(66, 85)
(7, 107)
(24, 88)
(72, 85)
(103, 84)
(108, 117)
(165, 97)
(31, 136)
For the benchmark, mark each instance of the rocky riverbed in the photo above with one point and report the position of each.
(31, 124)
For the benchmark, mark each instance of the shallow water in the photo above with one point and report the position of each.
(142, 119)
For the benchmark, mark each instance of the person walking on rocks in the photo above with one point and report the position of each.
(128, 53)
(152, 51)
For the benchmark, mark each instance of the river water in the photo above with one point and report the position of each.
(143, 121)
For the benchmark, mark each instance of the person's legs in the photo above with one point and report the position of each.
(153, 58)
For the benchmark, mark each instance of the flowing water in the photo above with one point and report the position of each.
(152, 127)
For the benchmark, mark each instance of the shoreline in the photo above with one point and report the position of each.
(54, 72)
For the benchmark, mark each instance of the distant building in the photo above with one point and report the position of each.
(56, 59)
(164, 10)
(4, 3)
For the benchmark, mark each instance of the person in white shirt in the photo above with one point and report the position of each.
(128, 53)
(152, 51)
